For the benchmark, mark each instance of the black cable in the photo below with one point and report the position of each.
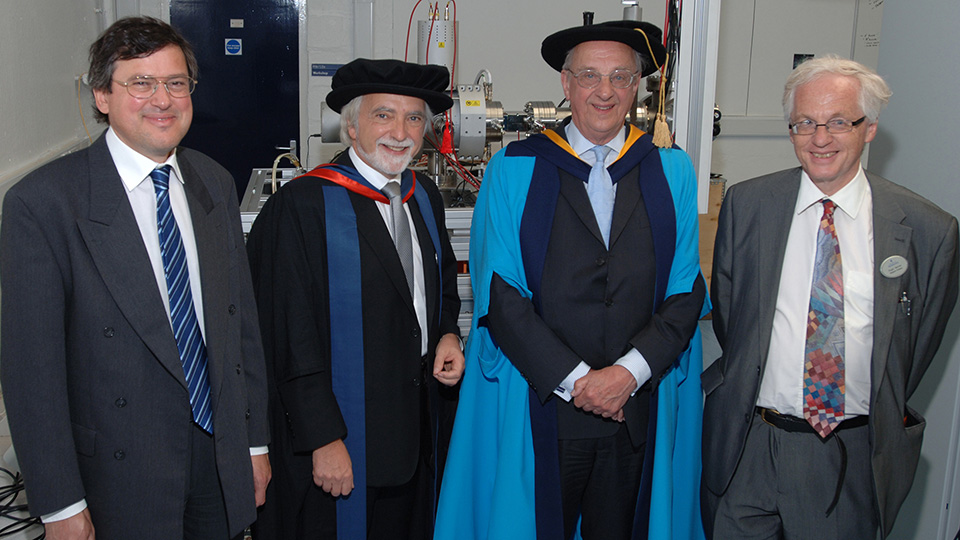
(8, 496)
(306, 153)
(672, 39)
(458, 201)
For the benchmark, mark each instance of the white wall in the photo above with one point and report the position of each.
(917, 146)
(43, 49)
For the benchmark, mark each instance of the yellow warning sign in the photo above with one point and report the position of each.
(473, 103)
(442, 44)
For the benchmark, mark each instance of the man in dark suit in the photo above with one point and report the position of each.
(133, 371)
(832, 287)
(584, 242)
(356, 284)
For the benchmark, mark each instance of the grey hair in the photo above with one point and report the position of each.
(638, 59)
(873, 95)
(350, 112)
(348, 118)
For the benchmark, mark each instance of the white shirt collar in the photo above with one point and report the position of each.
(848, 199)
(133, 166)
(581, 145)
(371, 175)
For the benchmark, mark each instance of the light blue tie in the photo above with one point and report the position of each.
(186, 329)
(601, 192)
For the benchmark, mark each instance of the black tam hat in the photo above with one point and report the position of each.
(642, 37)
(363, 76)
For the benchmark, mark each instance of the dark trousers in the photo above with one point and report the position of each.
(600, 480)
(402, 512)
(393, 513)
(785, 483)
(204, 514)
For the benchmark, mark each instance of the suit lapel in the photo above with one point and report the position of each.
(372, 229)
(775, 216)
(890, 237)
(212, 253)
(628, 196)
(574, 191)
(113, 240)
(374, 232)
(429, 260)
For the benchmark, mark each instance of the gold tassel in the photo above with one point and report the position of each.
(661, 132)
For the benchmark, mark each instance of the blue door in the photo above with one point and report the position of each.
(248, 99)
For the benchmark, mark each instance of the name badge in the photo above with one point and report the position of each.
(894, 266)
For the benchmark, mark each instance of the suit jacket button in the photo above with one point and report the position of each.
(415, 333)
(608, 302)
(601, 261)
(108, 331)
(247, 414)
(746, 418)
(232, 309)
(120, 403)
(119, 455)
(416, 381)
(238, 369)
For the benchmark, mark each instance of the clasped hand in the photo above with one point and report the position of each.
(605, 391)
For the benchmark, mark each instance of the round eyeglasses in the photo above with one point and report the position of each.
(837, 125)
(591, 78)
(144, 87)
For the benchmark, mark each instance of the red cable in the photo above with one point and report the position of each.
(666, 20)
(462, 172)
(406, 47)
(457, 167)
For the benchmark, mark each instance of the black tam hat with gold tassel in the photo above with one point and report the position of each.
(645, 38)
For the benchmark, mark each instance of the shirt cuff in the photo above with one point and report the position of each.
(567, 385)
(637, 365)
(65, 513)
(258, 450)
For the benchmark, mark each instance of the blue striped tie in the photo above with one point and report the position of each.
(186, 329)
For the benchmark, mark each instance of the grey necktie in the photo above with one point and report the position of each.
(401, 230)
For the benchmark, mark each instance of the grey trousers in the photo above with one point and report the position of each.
(785, 483)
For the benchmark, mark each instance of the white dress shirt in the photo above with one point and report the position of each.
(135, 169)
(633, 361)
(782, 385)
(378, 181)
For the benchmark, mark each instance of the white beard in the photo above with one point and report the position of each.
(386, 164)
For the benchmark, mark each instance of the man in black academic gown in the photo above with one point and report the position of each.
(343, 273)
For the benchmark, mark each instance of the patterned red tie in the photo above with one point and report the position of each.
(823, 383)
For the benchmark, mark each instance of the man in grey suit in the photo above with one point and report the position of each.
(132, 371)
(832, 287)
